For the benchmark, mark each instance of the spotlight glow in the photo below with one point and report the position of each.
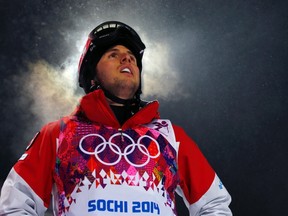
(53, 89)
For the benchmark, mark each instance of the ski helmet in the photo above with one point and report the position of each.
(103, 37)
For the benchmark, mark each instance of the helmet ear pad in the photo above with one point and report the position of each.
(88, 69)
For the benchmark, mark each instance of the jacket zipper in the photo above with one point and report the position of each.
(120, 129)
(121, 132)
(141, 110)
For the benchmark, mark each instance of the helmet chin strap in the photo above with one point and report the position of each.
(95, 84)
(109, 95)
(125, 102)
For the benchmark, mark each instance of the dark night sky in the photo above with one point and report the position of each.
(218, 68)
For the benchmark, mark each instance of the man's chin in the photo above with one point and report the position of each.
(123, 91)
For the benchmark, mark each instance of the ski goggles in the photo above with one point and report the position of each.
(113, 32)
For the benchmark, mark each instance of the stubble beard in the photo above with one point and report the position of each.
(122, 88)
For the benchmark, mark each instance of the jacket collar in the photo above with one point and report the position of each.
(95, 108)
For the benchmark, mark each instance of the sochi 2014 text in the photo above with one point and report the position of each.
(121, 206)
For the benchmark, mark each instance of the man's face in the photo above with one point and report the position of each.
(118, 73)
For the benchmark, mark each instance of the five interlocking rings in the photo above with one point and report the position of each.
(128, 150)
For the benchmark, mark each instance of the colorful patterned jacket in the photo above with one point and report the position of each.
(93, 166)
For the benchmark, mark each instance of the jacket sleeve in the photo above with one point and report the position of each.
(27, 188)
(200, 187)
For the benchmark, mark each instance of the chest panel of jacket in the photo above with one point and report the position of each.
(138, 157)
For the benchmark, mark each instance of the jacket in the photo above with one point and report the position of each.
(93, 166)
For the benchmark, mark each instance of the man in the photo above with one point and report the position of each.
(113, 155)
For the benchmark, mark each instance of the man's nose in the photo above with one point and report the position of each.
(125, 58)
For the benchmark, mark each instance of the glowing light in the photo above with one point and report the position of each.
(53, 89)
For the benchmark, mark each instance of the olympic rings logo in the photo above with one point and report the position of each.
(128, 150)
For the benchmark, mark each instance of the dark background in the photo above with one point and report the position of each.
(220, 67)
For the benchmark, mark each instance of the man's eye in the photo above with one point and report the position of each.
(133, 58)
(113, 55)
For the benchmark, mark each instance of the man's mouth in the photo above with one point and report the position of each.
(126, 70)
